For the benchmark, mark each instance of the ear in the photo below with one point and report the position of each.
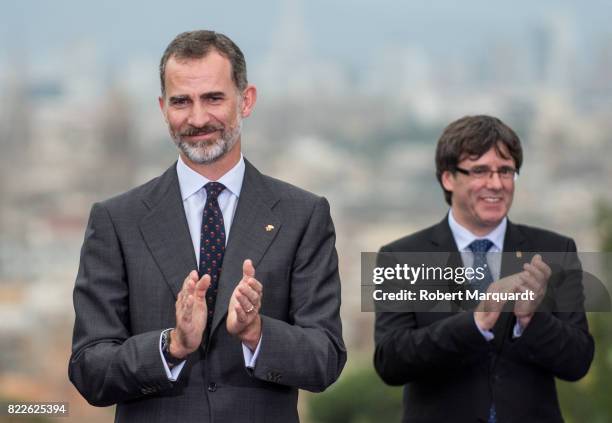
(162, 107)
(249, 97)
(448, 180)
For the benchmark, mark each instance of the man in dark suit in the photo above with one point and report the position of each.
(496, 363)
(210, 293)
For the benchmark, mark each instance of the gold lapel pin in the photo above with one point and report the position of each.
(519, 254)
(269, 228)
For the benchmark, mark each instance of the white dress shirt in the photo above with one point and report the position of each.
(463, 238)
(193, 195)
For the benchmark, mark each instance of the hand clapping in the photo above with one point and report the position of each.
(243, 319)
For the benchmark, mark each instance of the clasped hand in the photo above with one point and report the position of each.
(534, 278)
(243, 319)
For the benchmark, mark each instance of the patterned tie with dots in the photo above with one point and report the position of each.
(480, 247)
(212, 246)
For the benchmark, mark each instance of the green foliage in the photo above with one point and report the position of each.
(358, 397)
(604, 226)
(589, 399)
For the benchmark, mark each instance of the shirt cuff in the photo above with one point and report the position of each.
(518, 330)
(250, 357)
(488, 335)
(173, 373)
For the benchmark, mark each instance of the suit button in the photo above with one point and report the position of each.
(212, 387)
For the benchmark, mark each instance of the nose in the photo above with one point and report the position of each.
(198, 115)
(494, 181)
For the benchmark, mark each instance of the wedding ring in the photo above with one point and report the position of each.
(250, 309)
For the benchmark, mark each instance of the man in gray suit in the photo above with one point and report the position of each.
(160, 330)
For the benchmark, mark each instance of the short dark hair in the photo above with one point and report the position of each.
(473, 136)
(196, 45)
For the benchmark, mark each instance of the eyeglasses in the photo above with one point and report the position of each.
(481, 172)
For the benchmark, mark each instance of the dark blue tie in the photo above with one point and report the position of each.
(212, 246)
(480, 247)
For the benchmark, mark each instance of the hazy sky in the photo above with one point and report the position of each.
(342, 30)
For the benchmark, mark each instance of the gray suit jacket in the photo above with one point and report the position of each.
(137, 252)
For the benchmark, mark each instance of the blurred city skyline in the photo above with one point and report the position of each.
(296, 48)
(335, 29)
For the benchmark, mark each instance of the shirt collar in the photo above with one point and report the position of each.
(191, 181)
(463, 237)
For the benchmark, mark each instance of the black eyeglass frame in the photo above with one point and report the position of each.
(488, 173)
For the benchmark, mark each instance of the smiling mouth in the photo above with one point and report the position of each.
(201, 135)
(491, 200)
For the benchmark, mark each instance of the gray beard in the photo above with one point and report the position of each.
(207, 152)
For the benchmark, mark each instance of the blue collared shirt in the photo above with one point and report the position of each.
(463, 239)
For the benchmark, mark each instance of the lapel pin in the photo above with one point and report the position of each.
(519, 254)
(269, 228)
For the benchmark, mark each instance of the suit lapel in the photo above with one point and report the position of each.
(515, 245)
(447, 255)
(442, 237)
(253, 229)
(166, 232)
(513, 257)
